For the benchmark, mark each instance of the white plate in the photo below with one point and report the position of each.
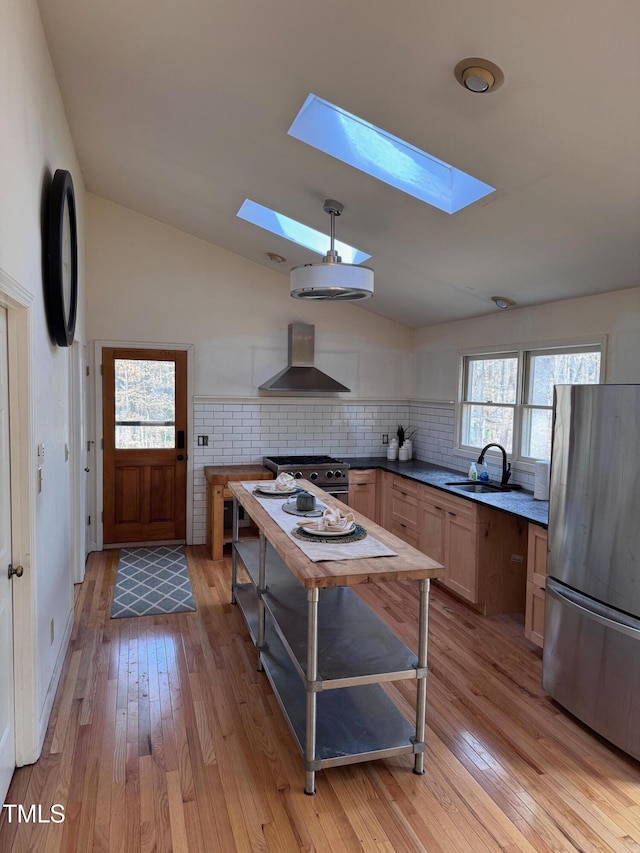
(313, 532)
(273, 491)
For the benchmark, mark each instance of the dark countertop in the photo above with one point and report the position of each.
(519, 502)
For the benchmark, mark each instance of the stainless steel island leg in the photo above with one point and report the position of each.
(234, 556)
(312, 677)
(421, 699)
(262, 588)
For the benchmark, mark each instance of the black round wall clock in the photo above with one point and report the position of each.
(61, 273)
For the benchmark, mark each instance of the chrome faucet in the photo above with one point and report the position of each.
(506, 466)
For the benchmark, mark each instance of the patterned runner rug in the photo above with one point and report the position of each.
(152, 581)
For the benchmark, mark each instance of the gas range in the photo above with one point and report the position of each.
(330, 474)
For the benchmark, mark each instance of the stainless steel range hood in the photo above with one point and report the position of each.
(300, 374)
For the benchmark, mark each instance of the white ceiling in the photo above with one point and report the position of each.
(180, 109)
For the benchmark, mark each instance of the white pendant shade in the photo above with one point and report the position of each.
(331, 281)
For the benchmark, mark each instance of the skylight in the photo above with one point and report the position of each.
(384, 156)
(298, 233)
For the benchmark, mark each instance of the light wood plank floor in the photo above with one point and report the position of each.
(164, 737)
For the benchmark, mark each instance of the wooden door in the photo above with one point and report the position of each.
(7, 716)
(144, 398)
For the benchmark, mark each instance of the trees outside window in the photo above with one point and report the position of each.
(507, 397)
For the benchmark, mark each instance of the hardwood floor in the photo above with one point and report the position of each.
(164, 737)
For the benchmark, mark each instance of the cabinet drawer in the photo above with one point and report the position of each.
(404, 532)
(448, 503)
(359, 478)
(404, 509)
(405, 487)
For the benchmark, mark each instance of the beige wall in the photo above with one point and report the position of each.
(35, 141)
(615, 316)
(149, 282)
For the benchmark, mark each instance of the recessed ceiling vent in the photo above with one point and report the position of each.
(300, 374)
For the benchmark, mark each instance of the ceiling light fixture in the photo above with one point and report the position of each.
(332, 279)
(503, 302)
(478, 75)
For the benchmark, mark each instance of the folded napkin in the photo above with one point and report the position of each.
(332, 521)
(284, 482)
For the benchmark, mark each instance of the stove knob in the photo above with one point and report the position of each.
(298, 475)
(337, 474)
(329, 475)
(313, 475)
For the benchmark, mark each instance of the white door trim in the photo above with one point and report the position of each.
(18, 302)
(99, 460)
(77, 457)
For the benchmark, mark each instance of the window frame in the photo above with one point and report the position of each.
(523, 353)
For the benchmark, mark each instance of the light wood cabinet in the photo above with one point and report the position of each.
(363, 492)
(404, 510)
(536, 582)
(482, 549)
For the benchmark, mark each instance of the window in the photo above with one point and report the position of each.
(296, 232)
(507, 397)
(384, 156)
(145, 404)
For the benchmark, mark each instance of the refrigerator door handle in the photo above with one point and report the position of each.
(606, 616)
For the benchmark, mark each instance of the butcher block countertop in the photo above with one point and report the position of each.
(409, 564)
(220, 475)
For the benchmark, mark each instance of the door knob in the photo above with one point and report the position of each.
(180, 457)
(17, 571)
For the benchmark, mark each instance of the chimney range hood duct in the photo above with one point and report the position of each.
(300, 374)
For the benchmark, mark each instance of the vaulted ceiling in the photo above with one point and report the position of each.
(180, 110)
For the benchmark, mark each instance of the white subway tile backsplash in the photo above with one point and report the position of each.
(243, 433)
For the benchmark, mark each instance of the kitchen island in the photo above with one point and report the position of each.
(325, 653)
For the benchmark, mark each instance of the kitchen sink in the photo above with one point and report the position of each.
(474, 486)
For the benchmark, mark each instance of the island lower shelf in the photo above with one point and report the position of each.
(354, 645)
(353, 723)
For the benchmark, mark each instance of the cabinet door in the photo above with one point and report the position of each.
(534, 614)
(362, 498)
(536, 581)
(431, 530)
(363, 492)
(386, 483)
(537, 556)
(460, 556)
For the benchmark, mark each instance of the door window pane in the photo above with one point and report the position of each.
(145, 400)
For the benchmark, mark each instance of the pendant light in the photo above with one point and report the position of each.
(332, 279)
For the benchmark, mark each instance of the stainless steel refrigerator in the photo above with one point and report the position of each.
(591, 660)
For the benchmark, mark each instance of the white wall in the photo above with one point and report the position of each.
(34, 142)
(614, 315)
(149, 282)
